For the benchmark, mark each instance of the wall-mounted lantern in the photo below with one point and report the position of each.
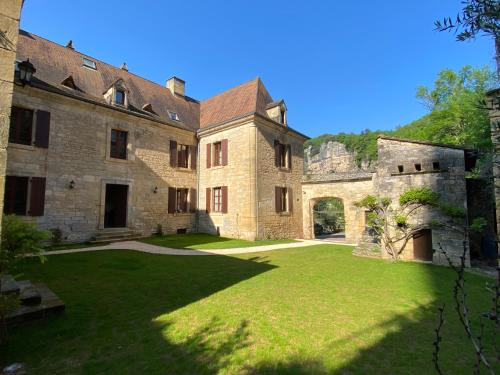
(26, 71)
(155, 190)
(71, 184)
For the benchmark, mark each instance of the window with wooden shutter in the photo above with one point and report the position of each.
(224, 199)
(181, 200)
(209, 155)
(277, 199)
(217, 154)
(171, 200)
(277, 154)
(21, 126)
(289, 199)
(194, 153)
(16, 195)
(42, 129)
(37, 196)
(182, 156)
(289, 156)
(217, 199)
(283, 196)
(118, 148)
(208, 195)
(173, 154)
(224, 156)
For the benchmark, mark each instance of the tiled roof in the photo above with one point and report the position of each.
(247, 98)
(54, 63)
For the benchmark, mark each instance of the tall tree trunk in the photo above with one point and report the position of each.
(497, 54)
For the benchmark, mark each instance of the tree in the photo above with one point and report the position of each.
(478, 17)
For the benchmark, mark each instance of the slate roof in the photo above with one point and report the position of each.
(55, 63)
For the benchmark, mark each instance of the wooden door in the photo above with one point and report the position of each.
(422, 245)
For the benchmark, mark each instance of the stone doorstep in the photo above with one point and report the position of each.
(50, 303)
(9, 285)
(29, 295)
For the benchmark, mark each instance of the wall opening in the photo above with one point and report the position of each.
(329, 219)
(115, 215)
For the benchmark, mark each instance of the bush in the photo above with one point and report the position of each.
(56, 238)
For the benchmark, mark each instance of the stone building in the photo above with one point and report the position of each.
(98, 153)
(401, 165)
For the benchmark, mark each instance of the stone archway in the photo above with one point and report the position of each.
(349, 191)
(329, 219)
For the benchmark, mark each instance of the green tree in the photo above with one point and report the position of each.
(478, 17)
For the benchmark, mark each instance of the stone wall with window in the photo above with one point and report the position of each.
(78, 162)
(279, 190)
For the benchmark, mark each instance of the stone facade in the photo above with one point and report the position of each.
(9, 25)
(401, 165)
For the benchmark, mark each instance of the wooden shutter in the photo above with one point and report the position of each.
(171, 200)
(224, 151)
(224, 199)
(277, 198)
(37, 198)
(194, 154)
(209, 155)
(193, 202)
(173, 154)
(208, 195)
(42, 129)
(290, 200)
(277, 156)
(289, 155)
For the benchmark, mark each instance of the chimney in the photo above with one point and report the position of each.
(70, 45)
(176, 86)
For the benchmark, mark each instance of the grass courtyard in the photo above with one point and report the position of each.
(308, 310)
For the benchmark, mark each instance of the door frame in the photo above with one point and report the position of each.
(102, 205)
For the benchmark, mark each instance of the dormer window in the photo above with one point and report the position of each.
(277, 111)
(89, 64)
(173, 116)
(120, 97)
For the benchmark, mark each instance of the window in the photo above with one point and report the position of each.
(118, 144)
(173, 115)
(21, 126)
(435, 165)
(283, 155)
(418, 167)
(182, 156)
(24, 195)
(401, 169)
(181, 200)
(218, 199)
(89, 63)
(217, 154)
(283, 199)
(120, 97)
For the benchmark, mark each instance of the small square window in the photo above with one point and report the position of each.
(173, 115)
(120, 97)
(435, 166)
(89, 63)
(418, 167)
(401, 169)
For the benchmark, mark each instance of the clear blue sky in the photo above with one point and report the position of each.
(339, 65)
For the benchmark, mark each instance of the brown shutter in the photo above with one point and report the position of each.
(224, 199)
(171, 200)
(277, 198)
(289, 155)
(193, 202)
(290, 200)
(277, 149)
(173, 154)
(209, 155)
(224, 151)
(42, 129)
(194, 154)
(207, 199)
(37, 198)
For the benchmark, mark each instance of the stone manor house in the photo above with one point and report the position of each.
(100, 153)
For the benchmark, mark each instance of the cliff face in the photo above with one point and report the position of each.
(334, 158)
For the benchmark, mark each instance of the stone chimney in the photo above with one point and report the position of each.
(176, 86)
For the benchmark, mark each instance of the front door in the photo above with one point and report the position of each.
(422, 245)
(115, 214)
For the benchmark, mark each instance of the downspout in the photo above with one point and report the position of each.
(256, 185)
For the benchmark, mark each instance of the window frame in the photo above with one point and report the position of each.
(183, 150)
(10, 204)
(217, 154)
(285, 206)
(217, 199)
(88, 63)
(14, 132)
(173, 116)
(122, 93)
(116, 154)
(181, 200)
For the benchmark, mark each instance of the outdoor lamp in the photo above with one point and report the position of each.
(71, 184)
(26, 71)
(155, 190)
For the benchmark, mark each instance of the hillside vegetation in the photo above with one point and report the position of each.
(455, 116)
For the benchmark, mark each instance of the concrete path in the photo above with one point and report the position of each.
(153, 249)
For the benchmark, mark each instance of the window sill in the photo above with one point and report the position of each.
(116, 160)
(216, 167)
(284, 169)
(184, 169)
(217, 213)
(21, 146)
(181, 213)
(285, 213)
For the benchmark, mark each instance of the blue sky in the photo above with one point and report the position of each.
(339, 65)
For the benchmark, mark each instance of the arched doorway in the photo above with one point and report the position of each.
(329, 219)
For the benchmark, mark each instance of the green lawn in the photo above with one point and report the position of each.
(310, 310)
(201, 241)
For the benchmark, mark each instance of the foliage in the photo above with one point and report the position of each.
(329, 215)
(454, 116)
(56, 238)
(419, 196)
(452, 211)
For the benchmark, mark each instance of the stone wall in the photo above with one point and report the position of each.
(79, 151)
(10, 12)
(272, 224)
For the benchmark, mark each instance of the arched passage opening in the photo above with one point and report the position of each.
(329, 219)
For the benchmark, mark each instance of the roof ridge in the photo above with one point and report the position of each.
(231, 88)
(104, 63)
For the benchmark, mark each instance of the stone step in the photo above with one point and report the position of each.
(116, 236)
(9, 285)
(30, 296)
